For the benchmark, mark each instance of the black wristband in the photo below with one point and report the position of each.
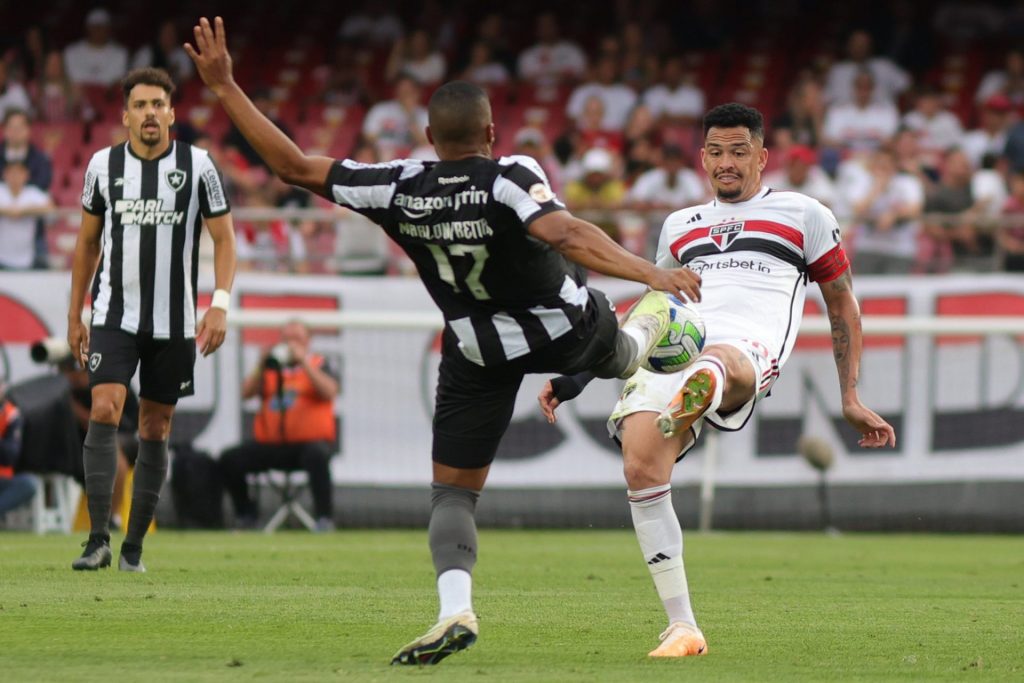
(566, 388)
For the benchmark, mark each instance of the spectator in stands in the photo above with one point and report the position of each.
(295, 427)
(599, 186)
(97, 59)
(1008, 81)
(639, 66)
(989, 187)
(165, 52)
(618, 98)
(552, 60)
(910, 160)
(990, 136)
(21, 205)
(952, 239)
(492, 32)
(234, 140)
(863, 124)
(345, 80)
(802, 122)
(959, 23)
(642, 155)
(889, 80)
(55, 97)
(671, 185)
(676, 100)
(15, 489)
(377, 23)
(938, 129)
(17, 146)
(12, 94)
(800, 173)
(1011, 233)
(483, 69)
(30, 54)
(416, 56)
(886, 213)
(1014, 150)
(397, 125)
(532, 142)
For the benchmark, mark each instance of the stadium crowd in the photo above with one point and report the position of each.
(904, 117)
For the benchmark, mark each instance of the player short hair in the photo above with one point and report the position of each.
(147, 76)
(457, 112)
(735, 115)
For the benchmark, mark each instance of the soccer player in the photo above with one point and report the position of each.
(497, 252)
(755, 249)
(143, 205)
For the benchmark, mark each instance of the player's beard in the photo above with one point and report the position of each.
(729, 195)
(151, 137)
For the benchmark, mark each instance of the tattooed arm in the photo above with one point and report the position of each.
(844, 316)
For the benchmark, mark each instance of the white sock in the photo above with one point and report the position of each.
(455, 588)
(717, 368)
(661, 542)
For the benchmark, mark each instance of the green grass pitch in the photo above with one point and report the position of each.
(553, 606)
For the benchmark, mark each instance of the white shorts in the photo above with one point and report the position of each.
(651, 392)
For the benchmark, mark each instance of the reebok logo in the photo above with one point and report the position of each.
(119, 182)
(660, 557)
(449, 180)
(184, 385)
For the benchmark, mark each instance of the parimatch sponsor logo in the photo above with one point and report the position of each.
(147, 212)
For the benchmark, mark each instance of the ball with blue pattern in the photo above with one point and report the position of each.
(683, 341)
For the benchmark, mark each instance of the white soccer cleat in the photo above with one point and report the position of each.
(446, 637)
(651, 315)
(680, 640)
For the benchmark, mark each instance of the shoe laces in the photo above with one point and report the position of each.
(677, 626)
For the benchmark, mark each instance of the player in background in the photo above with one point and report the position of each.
(755, 249)
(497, 252)
(143, 205)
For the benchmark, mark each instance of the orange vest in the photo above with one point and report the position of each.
(307, 416)
(7, 415)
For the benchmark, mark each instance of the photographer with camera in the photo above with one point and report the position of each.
(15, 489)
(294, 429)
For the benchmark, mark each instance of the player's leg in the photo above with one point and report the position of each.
(722, 378)
(648, 459)
(472, 412)
(642, 328)
(113, 358)
(165, 375)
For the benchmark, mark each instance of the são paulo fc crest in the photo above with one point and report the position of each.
(176, 178)
(724, 235)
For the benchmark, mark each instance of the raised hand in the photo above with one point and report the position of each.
(210, 54)
(874, 431)
(680, 282)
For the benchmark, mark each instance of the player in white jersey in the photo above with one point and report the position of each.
(755, 250)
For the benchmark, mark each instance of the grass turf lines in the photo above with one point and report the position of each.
(553, 606)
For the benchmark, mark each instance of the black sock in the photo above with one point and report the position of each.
(99, 455)
(150, 472)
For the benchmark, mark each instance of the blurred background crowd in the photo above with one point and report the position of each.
(902, 116)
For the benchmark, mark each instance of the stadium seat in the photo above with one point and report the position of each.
(289, 485)
(52, 507)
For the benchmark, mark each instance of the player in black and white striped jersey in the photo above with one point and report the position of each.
(502, 259)
(143, 205)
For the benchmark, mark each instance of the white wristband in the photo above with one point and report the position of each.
(221, 299)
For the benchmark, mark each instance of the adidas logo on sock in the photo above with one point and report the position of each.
(660, 557)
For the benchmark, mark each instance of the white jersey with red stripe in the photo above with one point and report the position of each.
(755, 259)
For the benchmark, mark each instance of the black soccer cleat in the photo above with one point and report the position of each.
(446, 637)
(96, 555)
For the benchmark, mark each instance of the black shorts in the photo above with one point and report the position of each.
(165, 365)
(474, 404)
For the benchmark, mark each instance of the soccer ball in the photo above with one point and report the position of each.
(682, 343)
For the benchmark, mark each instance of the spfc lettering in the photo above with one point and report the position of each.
(724, 235)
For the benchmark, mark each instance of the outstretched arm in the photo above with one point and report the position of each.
(213, 62)
(586, 244)
(844, 316)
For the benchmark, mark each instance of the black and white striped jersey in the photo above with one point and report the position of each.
(152, 214)
(464, 224)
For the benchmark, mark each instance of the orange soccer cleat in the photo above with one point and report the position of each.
(689, 404)
(680, 640)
